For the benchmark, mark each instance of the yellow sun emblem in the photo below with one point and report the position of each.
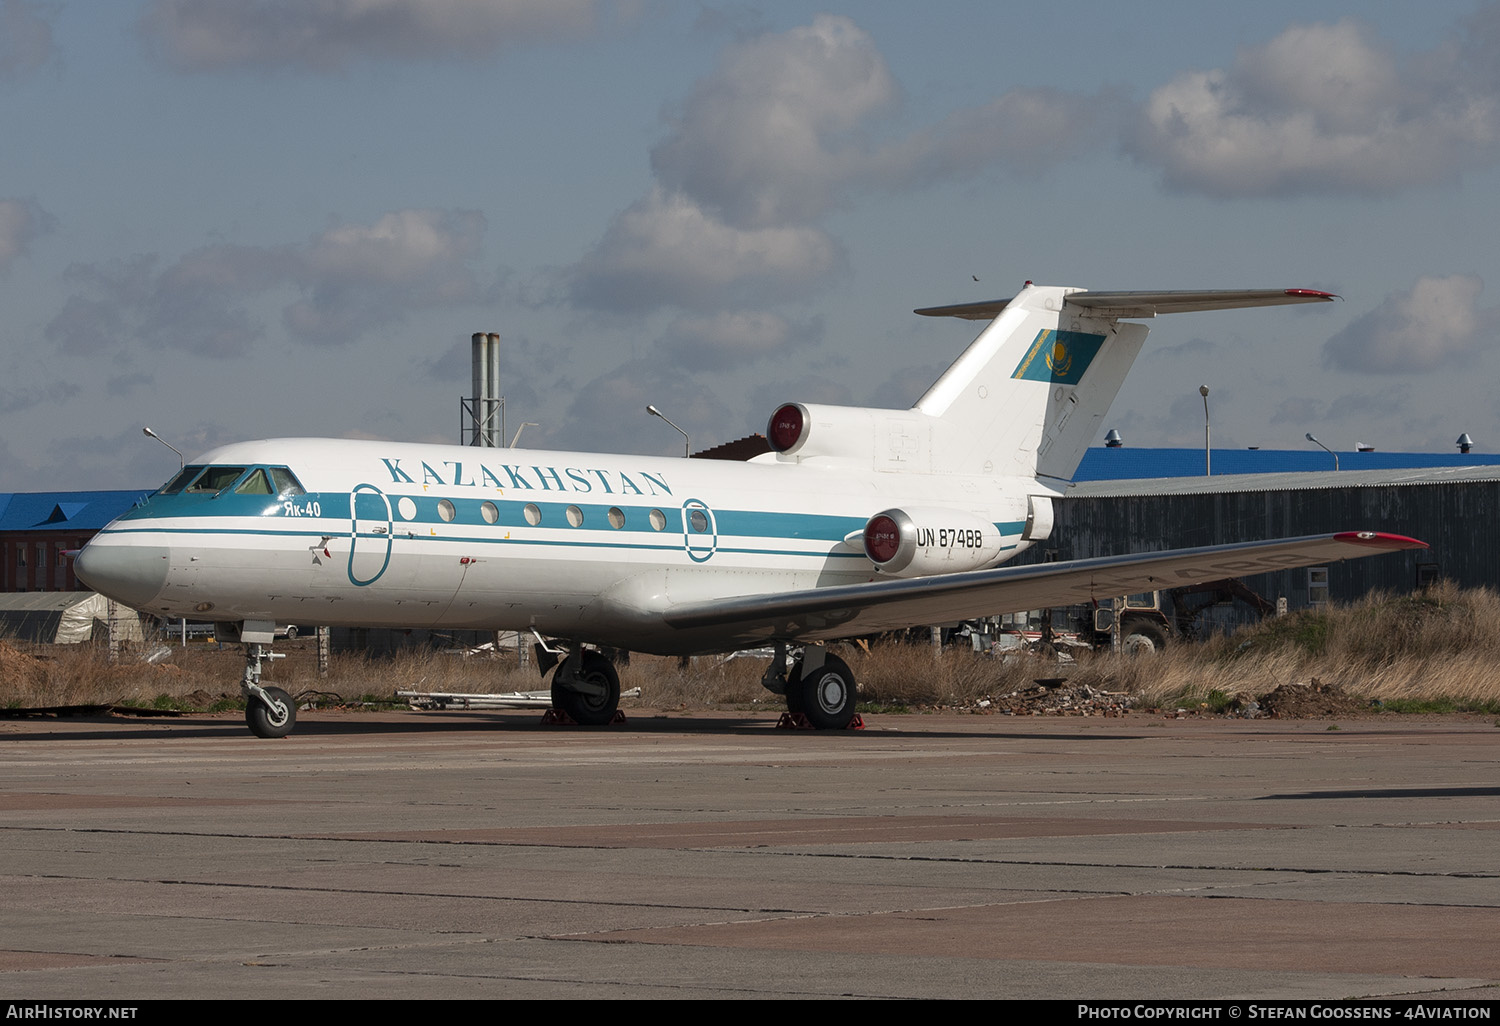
(1059, 360)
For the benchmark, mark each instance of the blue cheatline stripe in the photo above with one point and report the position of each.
(511, 513)
(523, 542)
(675, 546)
(340, 529)
(756, 532)
(730, 522)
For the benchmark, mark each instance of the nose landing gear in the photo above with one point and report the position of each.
(269, 711)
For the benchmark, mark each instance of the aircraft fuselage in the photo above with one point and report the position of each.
(576, 545)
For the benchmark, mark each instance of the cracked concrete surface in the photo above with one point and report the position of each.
(479, 855)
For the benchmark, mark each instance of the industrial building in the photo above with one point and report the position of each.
(37, 529)
(1122, 503)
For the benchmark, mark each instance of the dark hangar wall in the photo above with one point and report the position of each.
(1458, 520)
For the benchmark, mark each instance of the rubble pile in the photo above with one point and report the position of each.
(18, 670)
(1062, 699)
(1311, 700)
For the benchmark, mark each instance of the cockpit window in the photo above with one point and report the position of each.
(214, 479)
(255, 483)
(184, 475)
(285, 481)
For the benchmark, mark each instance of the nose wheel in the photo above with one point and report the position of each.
(269, 711)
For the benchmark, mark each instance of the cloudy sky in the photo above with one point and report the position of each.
(237, 219)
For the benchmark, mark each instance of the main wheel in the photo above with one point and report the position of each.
(591, 710)
(274, 720)
(827, 694)
(1143, 639)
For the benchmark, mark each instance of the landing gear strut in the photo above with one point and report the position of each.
(269, 711)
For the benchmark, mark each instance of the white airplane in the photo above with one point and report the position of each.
(861, 520)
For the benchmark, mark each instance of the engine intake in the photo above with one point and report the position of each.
(923, 542)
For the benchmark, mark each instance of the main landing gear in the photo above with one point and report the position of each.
(269, 711)
(585, 686)
(819, 688)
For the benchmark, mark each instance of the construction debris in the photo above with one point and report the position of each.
(1312, 700)
(508, 700)
(1055, 697)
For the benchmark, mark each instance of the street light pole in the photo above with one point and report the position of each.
(1325, 448)
(686, 442)
(181, 462)
(1208, 461)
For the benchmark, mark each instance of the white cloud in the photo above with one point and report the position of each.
(774, 134)
(1319, 108)
(352, 278)
(21, 222)
(1024, 130)
(356, 276)
(1433, 323)
(785, 129)
(200, 35)
(666, 250)
(722, 340)
(25, 38)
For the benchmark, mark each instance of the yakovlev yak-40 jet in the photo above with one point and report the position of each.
(860, 520)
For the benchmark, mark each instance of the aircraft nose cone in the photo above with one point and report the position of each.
(132, 574)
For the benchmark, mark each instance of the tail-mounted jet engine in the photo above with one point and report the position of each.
(920, 542)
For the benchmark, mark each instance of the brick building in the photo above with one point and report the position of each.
(38, 529)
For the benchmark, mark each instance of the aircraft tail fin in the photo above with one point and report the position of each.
(1029, 394)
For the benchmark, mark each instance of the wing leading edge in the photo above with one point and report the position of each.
(826, 613)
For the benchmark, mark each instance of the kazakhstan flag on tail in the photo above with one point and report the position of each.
(1059, 356)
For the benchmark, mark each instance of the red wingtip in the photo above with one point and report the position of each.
(1313, 294)
(1379, 540)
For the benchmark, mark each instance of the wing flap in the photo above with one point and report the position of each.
(882, 605)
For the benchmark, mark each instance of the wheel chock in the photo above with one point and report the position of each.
(798, 721)
(558, 718)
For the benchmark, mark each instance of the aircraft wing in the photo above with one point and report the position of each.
(825, 613)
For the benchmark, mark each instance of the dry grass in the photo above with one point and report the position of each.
(1442, 645)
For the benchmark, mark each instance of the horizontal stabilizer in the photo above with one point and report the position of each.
(1145, 304)
(855, 609)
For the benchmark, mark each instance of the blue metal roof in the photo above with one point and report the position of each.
(1104, 464)
(64, 511)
